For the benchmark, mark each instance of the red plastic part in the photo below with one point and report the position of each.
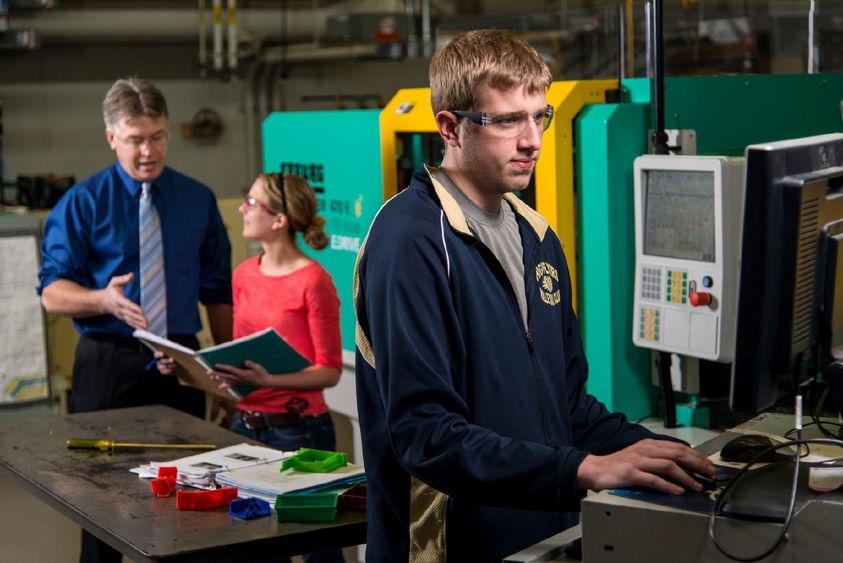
(205, 500)
(163, 486)
(168, 472)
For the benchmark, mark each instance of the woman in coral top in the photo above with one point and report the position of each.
(285, 289)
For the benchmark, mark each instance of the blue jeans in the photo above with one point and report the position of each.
(312, 432)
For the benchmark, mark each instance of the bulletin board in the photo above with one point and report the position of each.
(23, 343)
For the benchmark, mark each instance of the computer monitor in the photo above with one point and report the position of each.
(791, 272)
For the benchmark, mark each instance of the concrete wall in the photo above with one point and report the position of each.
(57, 126)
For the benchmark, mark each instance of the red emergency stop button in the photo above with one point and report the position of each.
(699, 298)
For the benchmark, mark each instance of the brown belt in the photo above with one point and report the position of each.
(263, 420)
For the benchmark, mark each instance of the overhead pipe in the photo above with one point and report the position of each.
(301, 52)
(232, 36)
(278, 95)
(630, 38)
(412, 37)
(266, 91)
(427, 35)
(203, 39)
(648, 38)
(621, 44)
(254, 120)
(812, 49)
(217, 31)
(143, 25)
(90, 26)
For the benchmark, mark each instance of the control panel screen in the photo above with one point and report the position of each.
(679, 214)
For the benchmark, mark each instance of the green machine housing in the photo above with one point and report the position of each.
(338, 152)
(727, 113)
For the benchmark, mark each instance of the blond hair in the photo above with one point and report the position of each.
(500, 57)
(292, 195)
(129, 98)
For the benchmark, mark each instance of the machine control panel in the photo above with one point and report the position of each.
(687, 244)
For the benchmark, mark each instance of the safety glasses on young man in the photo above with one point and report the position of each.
(509, 125)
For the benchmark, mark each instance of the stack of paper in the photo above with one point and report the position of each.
(267, 481)
(199, 470)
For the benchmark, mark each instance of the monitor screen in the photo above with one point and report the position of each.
(789, 301)
(679, 214)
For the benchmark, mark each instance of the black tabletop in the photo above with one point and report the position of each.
(97, 491)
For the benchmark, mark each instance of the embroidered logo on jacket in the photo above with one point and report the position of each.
(548, 279)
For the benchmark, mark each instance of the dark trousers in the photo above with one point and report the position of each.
(111, 373)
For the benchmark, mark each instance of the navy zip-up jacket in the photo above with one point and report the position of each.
(473, 428)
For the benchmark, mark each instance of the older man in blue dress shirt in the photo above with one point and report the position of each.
(91, 266)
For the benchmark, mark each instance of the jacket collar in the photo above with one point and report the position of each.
(456, 217)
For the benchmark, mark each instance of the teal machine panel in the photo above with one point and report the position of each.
(609, 136)
(338, 152)
(730, 112)
(727, 113)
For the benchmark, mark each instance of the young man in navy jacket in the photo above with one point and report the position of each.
(478, 436)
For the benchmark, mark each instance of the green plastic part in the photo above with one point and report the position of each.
(315, 461)
(317, 507)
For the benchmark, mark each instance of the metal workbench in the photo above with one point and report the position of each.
(97, 491)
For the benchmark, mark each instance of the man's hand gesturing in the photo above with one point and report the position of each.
(114, 301)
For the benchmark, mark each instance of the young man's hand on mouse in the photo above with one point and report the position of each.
(658, 464)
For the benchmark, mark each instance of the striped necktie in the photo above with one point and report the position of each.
(152, 283)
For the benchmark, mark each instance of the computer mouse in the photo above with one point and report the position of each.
(708, 483)
(745, 447)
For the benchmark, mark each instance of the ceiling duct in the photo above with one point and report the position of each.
(141, 25)
(354, 29)
(106, 24)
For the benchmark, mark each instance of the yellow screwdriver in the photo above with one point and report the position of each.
(110, 445)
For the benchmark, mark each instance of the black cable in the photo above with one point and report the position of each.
(668, 399)
(717, 509)
(815, 414)
(818, 421)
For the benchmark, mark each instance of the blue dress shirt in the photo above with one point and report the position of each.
(91, 235)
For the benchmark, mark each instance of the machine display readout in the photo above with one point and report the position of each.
(679, 214)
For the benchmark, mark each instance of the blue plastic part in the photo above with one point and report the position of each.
(248, 508)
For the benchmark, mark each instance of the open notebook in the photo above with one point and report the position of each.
(266, 348)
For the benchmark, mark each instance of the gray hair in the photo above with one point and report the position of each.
(129, 98)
